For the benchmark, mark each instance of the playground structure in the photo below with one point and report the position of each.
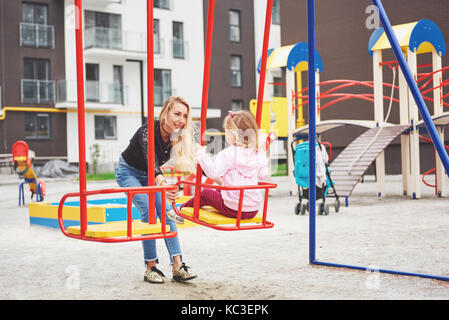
(136, 230)
(294, 58)
(419, 100)
(348, 168)
(22, 158)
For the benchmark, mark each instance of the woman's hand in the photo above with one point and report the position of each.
(171, 195)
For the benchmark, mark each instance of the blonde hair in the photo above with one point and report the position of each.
(182, 142)
(243, 127)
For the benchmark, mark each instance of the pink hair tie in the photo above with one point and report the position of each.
(231, 114)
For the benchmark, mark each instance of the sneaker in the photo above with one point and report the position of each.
(154, 275)
(183, 273)
(173, 216)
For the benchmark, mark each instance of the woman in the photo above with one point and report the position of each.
(173, 136)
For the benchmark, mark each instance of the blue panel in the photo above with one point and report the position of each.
(97, 201)
(260, 60)
(427, 31)
(53, 223)
(299, 53)
(120, 214)
(373, 39)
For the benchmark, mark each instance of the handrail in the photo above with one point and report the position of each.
(261, 185)
(130, 191)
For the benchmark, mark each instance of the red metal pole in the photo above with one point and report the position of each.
(129, 210)
(81, 118)
(263, 68)
(150, 112)
(206, 74)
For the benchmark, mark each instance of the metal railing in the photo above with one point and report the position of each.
(37, 91)
(117, 39)
(37, 35)
(96, 91)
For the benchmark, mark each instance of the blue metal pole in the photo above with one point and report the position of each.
(312, 126)
(413, 86)
(396, 272)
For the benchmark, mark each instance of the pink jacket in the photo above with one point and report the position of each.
(236, 166)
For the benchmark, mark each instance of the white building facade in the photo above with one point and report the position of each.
(115, 68)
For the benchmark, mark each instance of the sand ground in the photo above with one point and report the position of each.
(395, 233)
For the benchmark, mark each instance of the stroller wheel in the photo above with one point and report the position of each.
(321, 209)
(304, 207)
(326, 209)
(298, 208)
(337, 205)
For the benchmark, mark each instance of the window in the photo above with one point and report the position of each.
(236, 71)
(237, 105)
(103, 30)
(92, 82)
(234, 25)
(156, 37)
(178, 40)
(276, 13)
(278, 89)
(162, 4)
(105, 128)
(37, 125)
(35, 13)
(36, 84)
(34, 29)
(162, 86)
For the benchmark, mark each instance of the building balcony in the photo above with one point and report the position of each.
(99, 41)
(37, 35)
(37, 91)
(98, 95)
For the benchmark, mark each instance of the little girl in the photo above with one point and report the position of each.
(243, 163)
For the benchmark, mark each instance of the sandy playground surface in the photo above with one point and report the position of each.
(395, 233)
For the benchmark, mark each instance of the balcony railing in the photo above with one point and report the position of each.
(95, 92)
(38, 91)
(179, 49)
(37, 35)
(117, 39)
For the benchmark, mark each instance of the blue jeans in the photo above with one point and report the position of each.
(128, 176)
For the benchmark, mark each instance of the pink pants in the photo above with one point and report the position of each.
(213, 198)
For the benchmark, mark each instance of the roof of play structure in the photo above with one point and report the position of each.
(294, 57)
(421, 36)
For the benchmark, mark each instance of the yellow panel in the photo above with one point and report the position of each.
(425, 47)
(402, 32)
(265, 121)
(182, 199)
(278, 57)
(211, 216)
(117, 229)
(302, 66)
(45, 210)
(279, 108)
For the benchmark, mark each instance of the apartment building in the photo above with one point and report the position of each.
(116, 62)
(32, 62)
(38, 68)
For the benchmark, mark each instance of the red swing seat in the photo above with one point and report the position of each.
(210, 217)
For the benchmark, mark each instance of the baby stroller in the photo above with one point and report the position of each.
(323, 179)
